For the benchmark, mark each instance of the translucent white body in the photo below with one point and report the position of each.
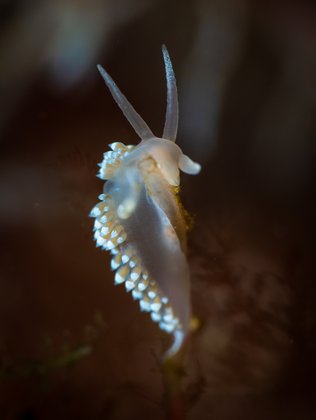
(140, 219)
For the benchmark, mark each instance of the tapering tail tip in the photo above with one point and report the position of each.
(178, 340)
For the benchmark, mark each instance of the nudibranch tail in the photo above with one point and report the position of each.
(140, 219)
(136, 121)
(172, 112)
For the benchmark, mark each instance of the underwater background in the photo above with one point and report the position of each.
(73, 345)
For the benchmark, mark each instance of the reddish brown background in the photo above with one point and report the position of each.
(74, 346)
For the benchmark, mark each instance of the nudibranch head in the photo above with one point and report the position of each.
(169, 158)
(139, 218)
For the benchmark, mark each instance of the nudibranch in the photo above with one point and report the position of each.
(140, 219)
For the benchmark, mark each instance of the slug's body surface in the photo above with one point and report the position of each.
(140, 219)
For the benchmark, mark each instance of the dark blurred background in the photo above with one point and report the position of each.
(74, 346)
